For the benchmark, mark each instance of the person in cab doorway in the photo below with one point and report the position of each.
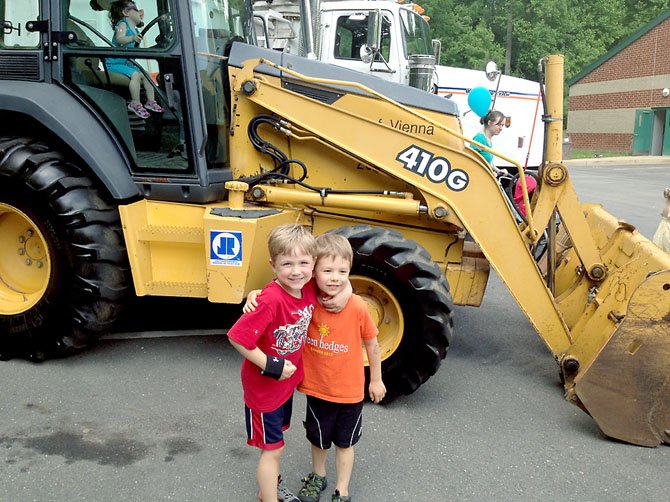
(334, 380)
(493, 123)
(271, 338)
(125, 17)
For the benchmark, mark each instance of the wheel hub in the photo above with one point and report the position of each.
(25, 267)
(385, 311)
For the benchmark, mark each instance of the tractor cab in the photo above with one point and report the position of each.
(179, 153)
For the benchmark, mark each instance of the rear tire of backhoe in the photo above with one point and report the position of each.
(64, 275)
(409, 298)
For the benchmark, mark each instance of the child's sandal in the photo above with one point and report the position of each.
(138, 110)
(153, 106)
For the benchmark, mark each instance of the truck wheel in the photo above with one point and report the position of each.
(63, 265)
(408, 296)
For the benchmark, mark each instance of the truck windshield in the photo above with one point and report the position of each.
(416, 33)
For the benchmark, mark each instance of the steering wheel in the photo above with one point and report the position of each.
(167, 34)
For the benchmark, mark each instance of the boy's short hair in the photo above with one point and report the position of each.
(287, 238)
(334, 245)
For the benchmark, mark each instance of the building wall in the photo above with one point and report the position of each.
(602, 104)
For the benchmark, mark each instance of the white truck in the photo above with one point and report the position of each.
(393, 41)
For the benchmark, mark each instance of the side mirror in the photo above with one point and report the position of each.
(437, 49)
(374, 39)
(366, 54)
(491, 71)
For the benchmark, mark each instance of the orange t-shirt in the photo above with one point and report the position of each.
(333, 354)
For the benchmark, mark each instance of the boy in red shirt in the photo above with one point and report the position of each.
(271, 339)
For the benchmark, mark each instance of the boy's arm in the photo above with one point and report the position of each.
(330, 303)
(260, 359)
(377, 388)
(336, 302)
(252, 302)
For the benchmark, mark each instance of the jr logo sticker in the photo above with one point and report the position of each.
(225, 248)
(436, 169)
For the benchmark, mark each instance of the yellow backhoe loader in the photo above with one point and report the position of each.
(97, 204)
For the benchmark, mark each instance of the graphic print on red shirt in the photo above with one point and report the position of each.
(278, 327)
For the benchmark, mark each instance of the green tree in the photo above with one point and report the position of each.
(467, 41)
(476, 31)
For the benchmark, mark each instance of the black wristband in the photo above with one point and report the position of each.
(273, 367)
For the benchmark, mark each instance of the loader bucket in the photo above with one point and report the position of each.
(626, 389)
(624, 383)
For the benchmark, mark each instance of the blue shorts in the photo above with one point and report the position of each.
(266, 430)
(123, 66)
(327, 422)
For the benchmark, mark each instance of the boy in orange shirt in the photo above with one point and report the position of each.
(334, 380)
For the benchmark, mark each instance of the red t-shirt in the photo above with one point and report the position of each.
(278, 327)
(333, 357)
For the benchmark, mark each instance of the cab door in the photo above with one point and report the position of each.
(111, 78)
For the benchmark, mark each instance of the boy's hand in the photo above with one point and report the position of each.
(251, 302)
(289, 369)
(377, 391)
(337, 302)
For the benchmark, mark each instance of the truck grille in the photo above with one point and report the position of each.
(15, 66)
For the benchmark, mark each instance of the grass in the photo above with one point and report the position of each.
(590, 154)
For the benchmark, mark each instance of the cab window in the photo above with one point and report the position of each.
(123, 60)
(352, 32)
(13, 18)
(416, 33)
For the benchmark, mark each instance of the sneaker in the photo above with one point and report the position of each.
(138, 110)
(340, 498)
(153, 106)
(313, 485)
(284, 494)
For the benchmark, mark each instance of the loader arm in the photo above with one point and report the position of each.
(450, 184)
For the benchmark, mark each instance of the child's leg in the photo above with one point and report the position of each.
(344, 463)
(347, 434)
(148, 89)
(266, 431)
(268, 472)
(319, 458)
(134, 86)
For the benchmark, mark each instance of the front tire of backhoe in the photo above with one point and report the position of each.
(408, 296)
(64, 275)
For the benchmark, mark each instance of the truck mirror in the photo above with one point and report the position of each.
(366, 54)
(437, 49)
(374, 39)
(491, 70)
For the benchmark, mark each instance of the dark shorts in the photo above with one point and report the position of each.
(327, 423)
(266, 430)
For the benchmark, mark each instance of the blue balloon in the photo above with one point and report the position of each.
(479, 100)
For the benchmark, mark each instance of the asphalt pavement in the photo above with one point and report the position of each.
(154, 412)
